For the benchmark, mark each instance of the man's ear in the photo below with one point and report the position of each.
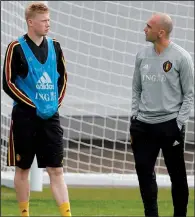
(161, 33)
(29, 22)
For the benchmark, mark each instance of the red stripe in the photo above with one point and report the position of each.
(62, 95)
(11, 154)
(11, 146)
(64, 89)
(16, 91)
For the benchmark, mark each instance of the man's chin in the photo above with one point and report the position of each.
(44, 34)
(148, 40)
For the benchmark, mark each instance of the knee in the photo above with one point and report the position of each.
(179, 181)
(21, 174)
(55, 172)
(145, 171)
(143, 168)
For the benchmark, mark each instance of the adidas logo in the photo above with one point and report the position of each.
(175, 143)
(145, 67)
(45, 83)
(24, 211)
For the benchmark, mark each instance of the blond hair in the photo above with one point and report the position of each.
(35, 7)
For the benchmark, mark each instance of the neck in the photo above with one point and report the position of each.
(35, 38)
(161, 46)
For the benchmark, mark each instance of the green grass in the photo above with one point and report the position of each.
(92, 202)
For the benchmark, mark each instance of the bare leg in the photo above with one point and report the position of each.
(58, 186)
(22, 189)
(59, 190)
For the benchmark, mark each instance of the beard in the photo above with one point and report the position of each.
(149, 39)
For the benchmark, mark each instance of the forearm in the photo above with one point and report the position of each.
(8, 91)
(62, 88)
(185, 109)
(187, 85)
(136, 95)
(62, 81)
(10, 74)
(136, 89)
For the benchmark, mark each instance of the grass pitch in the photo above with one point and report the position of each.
(92, 202)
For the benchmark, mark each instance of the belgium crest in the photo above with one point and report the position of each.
(167, 66)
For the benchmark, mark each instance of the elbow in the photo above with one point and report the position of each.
(189, 96)
(6, 88)
(136, 90)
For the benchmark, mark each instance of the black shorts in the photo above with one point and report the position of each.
(30, 135)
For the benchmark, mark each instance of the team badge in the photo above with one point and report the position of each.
(18, 158)
(167, 66)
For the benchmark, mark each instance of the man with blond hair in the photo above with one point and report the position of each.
(34, 76)
(162, 98)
